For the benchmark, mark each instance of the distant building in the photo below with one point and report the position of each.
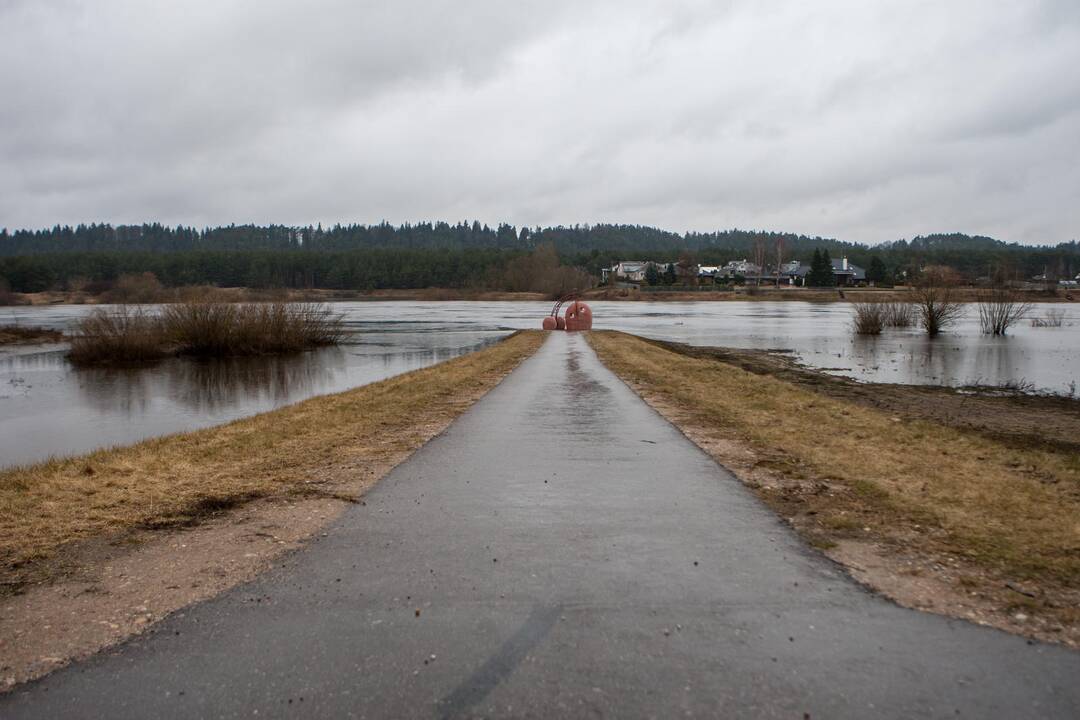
(844, 273)
(744, 268)
(631, 270)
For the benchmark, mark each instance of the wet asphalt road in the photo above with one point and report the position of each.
(571, 555)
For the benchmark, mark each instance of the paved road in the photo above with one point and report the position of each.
(572, 555)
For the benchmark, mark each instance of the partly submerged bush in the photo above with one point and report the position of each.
(869, 318)
(249, 329)
(1051, 318)
(126, 335)
(999, 308)
(898, 314)
(121, 335)
(936, 302)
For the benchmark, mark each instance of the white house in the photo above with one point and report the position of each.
(631, 270)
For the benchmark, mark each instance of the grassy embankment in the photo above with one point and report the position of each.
(999, 513)
(316, 447)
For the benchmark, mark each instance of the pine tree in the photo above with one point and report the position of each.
(877, 272)
(652, 275)
(821, 274)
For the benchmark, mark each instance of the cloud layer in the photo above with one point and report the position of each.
(863, 121)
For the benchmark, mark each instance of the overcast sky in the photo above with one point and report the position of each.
(857, 119)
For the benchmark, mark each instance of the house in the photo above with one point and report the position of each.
(743, 268)
(708, 271)
(687, 274)
(844, 272)
(632, 270)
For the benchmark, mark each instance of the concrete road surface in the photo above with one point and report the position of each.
(571, 555)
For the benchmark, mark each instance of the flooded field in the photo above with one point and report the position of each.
(47, 407)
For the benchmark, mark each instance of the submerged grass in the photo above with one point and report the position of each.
(178, 478)
(1014, 512)
(13, 334)
(131, 334)
(127, 334)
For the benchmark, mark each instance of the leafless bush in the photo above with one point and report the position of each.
(935, 300)
(1051, 318)
(898, 314)
(141, 288)
(123, 335)
(132, 335)
(999, 308)
(869, 318)
(218, 329)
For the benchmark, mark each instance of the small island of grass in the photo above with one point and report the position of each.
(134, 334)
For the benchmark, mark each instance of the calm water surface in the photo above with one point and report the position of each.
(47, 407)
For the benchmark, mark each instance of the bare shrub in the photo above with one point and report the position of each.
(999, 308)
(141, 288)
(129, 334)
(123, 335)
(869, 318)
(898, 314)
(935, 299)
(217, 329)
(1051, 318)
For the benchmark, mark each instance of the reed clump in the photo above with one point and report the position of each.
(126, 335)
(1051, 318)
(869, 318)
(898, 314)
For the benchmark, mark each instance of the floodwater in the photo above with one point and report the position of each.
(49, 408)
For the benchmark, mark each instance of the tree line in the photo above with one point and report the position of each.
(465, 254)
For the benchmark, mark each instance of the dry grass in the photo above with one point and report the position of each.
(127, 334)
(179, 478)
(1012, 512)
(1051, 318)
(220, 329)
(132, 334)
(898, 314)
(868, 318)
(15, 334)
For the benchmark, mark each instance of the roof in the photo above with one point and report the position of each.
(801, 270)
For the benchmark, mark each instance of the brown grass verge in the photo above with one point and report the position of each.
(178, 479)
(908, 503)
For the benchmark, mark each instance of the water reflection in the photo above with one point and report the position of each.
(49, 408)
(209, 385)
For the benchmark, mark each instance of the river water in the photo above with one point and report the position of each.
(48, 408)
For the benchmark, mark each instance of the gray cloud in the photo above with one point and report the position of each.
(865, 121)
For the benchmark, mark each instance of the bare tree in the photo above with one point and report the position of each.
(779, 257)
(1000, 307)
(759, 256)
(935, 300)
